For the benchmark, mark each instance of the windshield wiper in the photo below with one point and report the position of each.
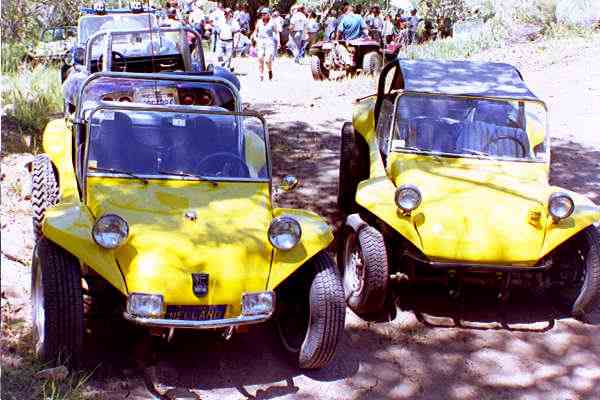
(119, 171)
(190, 175)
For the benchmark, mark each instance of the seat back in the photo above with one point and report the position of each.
(493, 139)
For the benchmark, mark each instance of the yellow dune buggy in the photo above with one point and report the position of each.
(155, 202)
(444, 178)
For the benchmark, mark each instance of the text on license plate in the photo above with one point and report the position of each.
(159, 97)
(196, 313)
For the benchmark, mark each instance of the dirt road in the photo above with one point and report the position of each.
(526, 349)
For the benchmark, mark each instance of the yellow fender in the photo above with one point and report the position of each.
(316, 236)
(586, 213)
(69, 225)
(57, 143)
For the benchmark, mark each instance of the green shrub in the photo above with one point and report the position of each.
(31, 96)
(12, 56)
(493, 34)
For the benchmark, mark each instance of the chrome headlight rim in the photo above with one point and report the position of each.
(559, 196)
(404, 188)
(124, 232)
(280, 220)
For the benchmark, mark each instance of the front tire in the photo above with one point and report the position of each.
(372, 63)
(364, 259)
(354, 167)
(57, 302)
(44, 191)
(311, 315)
(588, 256)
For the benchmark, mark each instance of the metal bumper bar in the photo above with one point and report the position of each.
(191, 324)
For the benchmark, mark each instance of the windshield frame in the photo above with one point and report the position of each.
(185, 53)
(169, 177)
(80, 42)
(401, 92)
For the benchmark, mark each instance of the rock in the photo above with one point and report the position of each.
(59, 373)
(578, 12)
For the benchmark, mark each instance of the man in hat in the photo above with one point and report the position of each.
(226, 30)
(265, 35)
(298, 24)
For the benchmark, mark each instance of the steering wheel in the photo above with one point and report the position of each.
(115, 56)
(223, 164)
(497, 139)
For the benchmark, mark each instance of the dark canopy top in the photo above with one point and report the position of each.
(464, 78)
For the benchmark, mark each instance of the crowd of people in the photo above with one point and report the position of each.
(232, 32)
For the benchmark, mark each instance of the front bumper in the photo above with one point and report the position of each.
(192, 324)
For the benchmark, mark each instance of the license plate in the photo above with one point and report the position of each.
(157, 97)
(196, 313)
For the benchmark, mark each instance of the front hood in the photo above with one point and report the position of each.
(181, 227)
(477, 211)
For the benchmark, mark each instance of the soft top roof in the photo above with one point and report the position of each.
(464, 78)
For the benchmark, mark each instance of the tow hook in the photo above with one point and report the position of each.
(228, 333)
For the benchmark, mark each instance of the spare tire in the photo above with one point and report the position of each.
(316, 67)
(372, 63)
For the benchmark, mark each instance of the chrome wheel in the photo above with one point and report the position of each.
(38, 313)
(354, 266)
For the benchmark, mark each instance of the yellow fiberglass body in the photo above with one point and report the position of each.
(473, 210)
(176, 228)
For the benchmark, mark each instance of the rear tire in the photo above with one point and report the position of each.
(372, 63)
(319, 72)
(354, 167)
(44, 191)
(310, 318)
(57, 305)
(363, 257)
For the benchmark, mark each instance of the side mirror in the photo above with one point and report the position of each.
(288, 183)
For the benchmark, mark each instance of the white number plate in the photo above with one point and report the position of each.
(158, 97)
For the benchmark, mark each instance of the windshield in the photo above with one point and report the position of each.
(470, 127)
(146, 143)
(91, 24)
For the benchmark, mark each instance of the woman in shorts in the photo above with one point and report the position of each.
(265, 35)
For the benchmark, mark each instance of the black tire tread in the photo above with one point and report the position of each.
(372, 62)
(44, 191)
(63, 297)
(316, 68)
(327, 315)
(591, 300)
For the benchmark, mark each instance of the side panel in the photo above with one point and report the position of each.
(57, 143)
(316, 236)
(586, 213)
(70, 226)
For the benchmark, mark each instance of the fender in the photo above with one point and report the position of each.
(377, 196)
(317, 235)
(69, 225)
(585, 214)
(57, 143)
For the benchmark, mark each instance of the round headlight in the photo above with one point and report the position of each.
(560, 205)
(408, 197)
(110, 231)
(284, 233)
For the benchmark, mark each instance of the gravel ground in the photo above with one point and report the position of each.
(523, 349)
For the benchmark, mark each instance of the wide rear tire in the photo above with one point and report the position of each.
(364, 260)
(372, 63)
(311, 315)
(44, 191)
(354, 167)
(319, 72)
(57, 305)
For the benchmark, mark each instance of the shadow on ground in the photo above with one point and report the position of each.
(576, 168)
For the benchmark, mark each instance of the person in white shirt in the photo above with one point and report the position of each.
(265, 35)
(278, 21)
(297, 31)
(413, 25)
(312, 29)
(216, 16)
(226, 31)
